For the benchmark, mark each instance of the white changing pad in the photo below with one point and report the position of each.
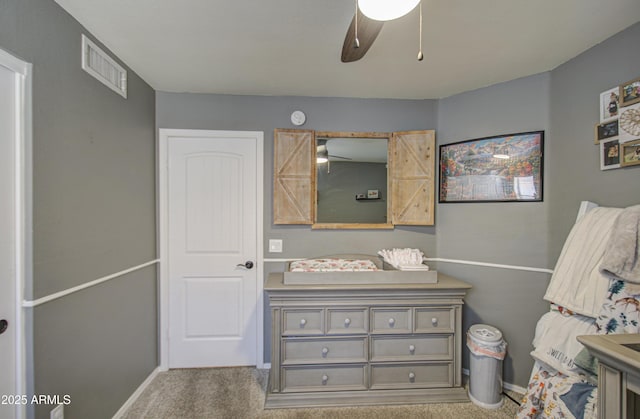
(332, 265)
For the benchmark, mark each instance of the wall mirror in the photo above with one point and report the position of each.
(352, 180)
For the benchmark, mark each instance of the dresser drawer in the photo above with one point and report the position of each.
(343, 321)
(419, 348)
(411, 376)
(331, 378)
(299, 321)
(319, 351)
(391, 320)
(435, 320)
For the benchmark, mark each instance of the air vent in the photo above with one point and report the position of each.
(104, 68)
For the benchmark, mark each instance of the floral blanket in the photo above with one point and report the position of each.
(621, 309)
(552, 394)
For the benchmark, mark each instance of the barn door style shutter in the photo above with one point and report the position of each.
(294, 176)
(412, 174)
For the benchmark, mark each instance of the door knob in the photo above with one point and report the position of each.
(248, 264)
(3, 326)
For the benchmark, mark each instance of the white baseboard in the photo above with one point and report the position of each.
(508, 386)
(136, 394)
(515, 388)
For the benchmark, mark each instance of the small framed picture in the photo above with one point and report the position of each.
(606, 130)
(373, 194)
(630, 92)
(609, 102)
(609, 154)
(630, 153)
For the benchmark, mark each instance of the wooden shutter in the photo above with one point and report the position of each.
(294, 176)
(412, 175)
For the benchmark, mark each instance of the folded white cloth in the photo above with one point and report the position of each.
(404, 259)
(555, 340)
(421, 267)
(621, 258)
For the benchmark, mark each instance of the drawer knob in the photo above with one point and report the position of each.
(434, 321)
(412, 348)
(325, 378)
(325, 351)
(303, 322)
(347, 322)
(412, 376)
(392, 322)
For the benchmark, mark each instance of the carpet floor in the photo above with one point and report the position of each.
(239, 393)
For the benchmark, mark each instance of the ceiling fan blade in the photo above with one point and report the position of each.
(340, 157)
(368, 30)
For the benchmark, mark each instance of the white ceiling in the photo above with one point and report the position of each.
(292, 47)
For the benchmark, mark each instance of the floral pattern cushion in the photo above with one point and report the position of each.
(332, 265)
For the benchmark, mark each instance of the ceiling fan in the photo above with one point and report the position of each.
(367, 23)
(323, 152)
(367, 30)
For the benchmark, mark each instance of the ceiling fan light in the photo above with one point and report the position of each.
(322, 154)
(386, 9)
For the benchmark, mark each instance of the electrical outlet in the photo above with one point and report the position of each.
(57, 412)
(275, 246)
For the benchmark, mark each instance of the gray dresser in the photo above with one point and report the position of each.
(338, 345)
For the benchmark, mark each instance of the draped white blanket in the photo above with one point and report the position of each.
(577, 283)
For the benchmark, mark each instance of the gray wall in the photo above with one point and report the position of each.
(573, 159)
(94, 215)
(503, 233)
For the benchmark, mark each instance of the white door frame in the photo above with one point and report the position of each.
(23, 210)
(163, 228)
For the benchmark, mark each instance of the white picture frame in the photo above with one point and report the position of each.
(610, 104)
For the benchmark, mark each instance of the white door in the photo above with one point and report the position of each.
(212, 249)
(11, 120)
